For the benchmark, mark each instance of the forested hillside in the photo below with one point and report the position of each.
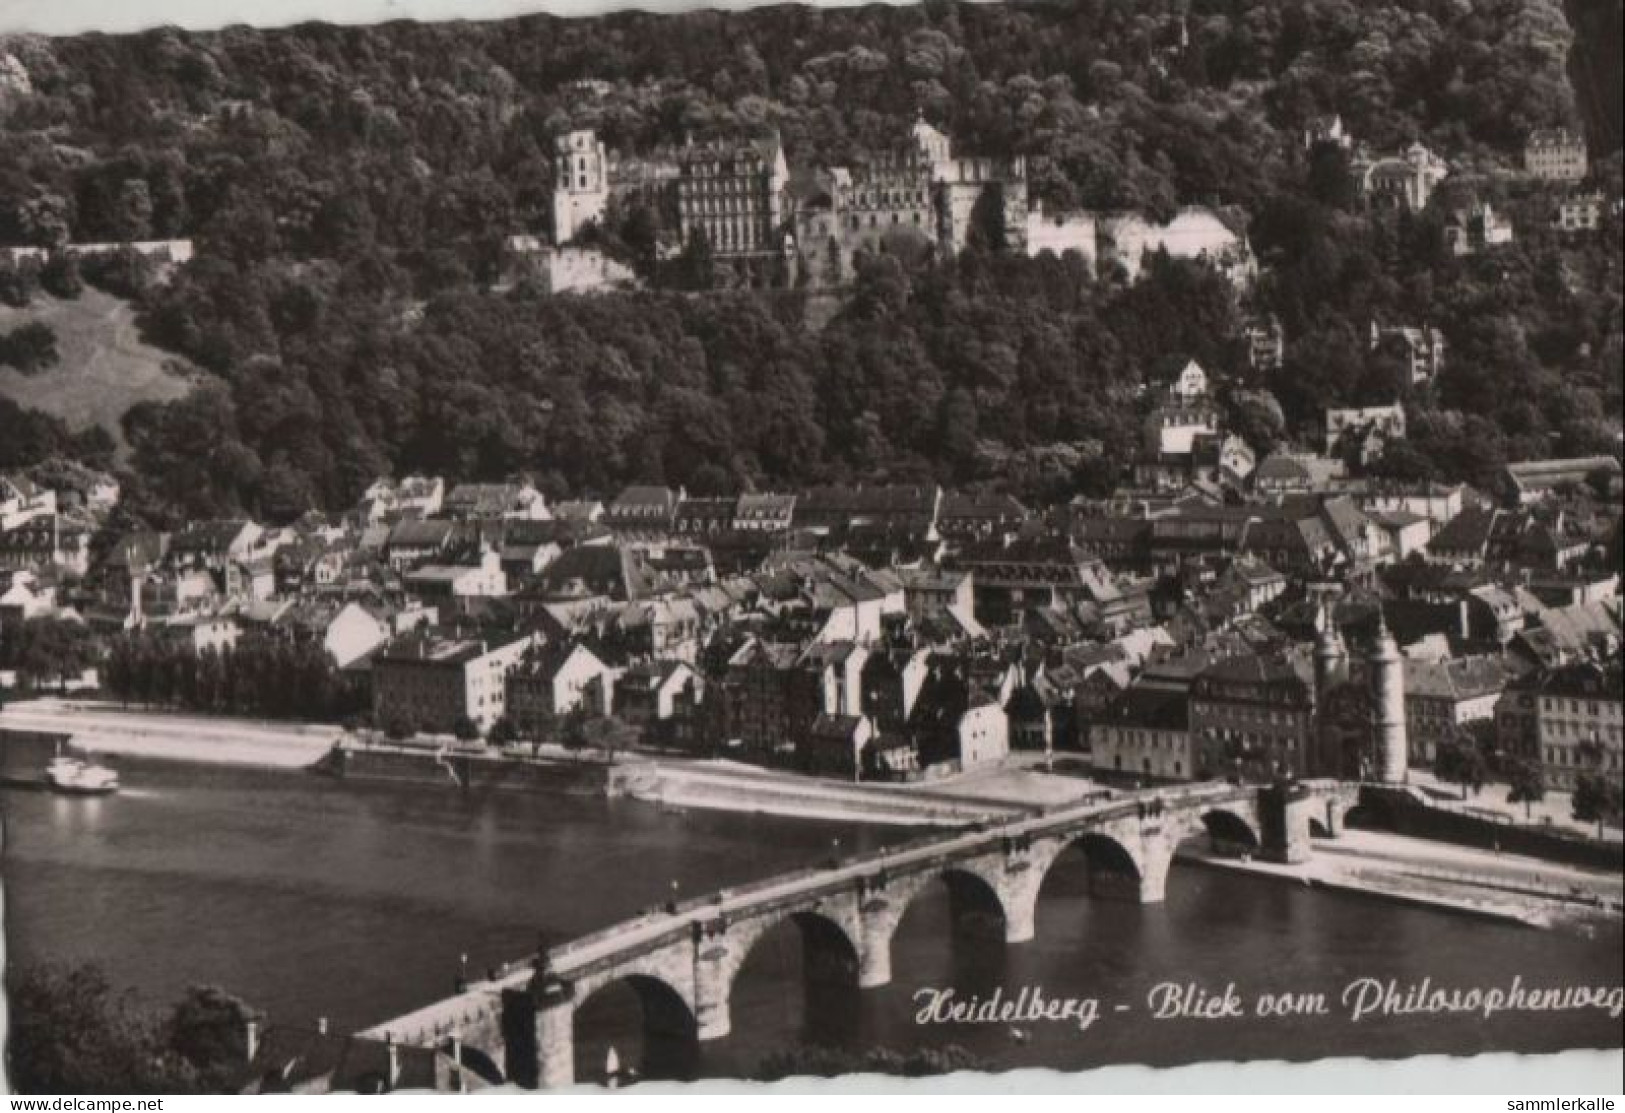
(1596, 68)
(348, 189)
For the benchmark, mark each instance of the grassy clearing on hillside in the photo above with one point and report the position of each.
(105, 367)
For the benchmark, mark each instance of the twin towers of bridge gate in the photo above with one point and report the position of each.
(1360, 727)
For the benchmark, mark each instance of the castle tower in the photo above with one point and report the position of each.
(935, 147)
(1388, 706)
(580, 183)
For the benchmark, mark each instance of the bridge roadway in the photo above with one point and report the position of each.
(580, 956)
(690, 950)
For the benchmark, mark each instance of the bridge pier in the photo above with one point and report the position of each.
(1154, 877)
(1150, 887)
(1017, 889)
(713, 1017)
(1334, 818)
(555, 1036)
(874, 949)
(1285, 812)
(1020, 908)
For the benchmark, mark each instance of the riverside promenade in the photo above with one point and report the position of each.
(1444, 877)
(107, 728)
(675, 784)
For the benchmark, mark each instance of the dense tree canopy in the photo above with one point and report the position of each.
(72, 1031)
(348, 189)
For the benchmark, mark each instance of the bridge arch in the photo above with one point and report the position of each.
(1114, 868)
(833, 942)
(667, 1044)
(831, 960)
(1329, 825)
(474, 1061)
(976, 907)
(1231, 832)
(974, 901)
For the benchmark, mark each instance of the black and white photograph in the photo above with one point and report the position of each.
(603, 550)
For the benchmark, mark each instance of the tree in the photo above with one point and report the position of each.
(30, 348)
(207, 1029)
(610, 734)
(1331, 181)
(60, 275)
(1528, 785)
(465, 729)
(44, 219)
(833, 274)
(1597, 798)
(1256, 418)
(697, 267)
(18, 281)
(1460, 762)
(54, 649)
(537, 728)
(573, 727)
(502, 732)
(71, 1032)
(131, 218)
(399, 724)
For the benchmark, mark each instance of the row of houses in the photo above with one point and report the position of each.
(882, 631)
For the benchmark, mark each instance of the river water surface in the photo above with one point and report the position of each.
(357, 901)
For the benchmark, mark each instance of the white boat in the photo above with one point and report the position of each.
(73, 777)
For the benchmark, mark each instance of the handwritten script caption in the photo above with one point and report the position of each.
(1359, 1000)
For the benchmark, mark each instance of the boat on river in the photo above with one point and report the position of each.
(73, 777)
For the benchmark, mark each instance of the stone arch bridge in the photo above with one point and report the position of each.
(681, 960)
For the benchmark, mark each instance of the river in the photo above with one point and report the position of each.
(356, 902)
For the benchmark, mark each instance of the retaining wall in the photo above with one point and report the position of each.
(1396, 810)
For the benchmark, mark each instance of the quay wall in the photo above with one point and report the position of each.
(9, 736)
(472, 772)
(1398, 811)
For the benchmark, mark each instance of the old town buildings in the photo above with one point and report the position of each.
(1161, 637)
(1568, 719)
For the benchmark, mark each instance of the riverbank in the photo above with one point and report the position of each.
(735, 787)
(1441, 877)
(108, 729)
(672, 784)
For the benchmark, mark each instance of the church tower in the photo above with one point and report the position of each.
(1388, 706)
